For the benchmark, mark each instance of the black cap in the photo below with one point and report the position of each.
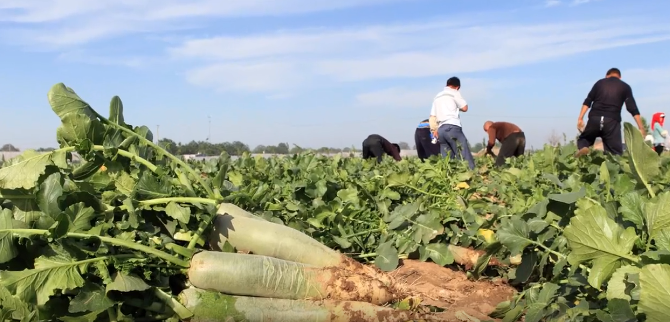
(454, 81)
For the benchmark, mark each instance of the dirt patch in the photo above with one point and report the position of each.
(451, 290)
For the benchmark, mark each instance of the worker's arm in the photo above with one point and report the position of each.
(461, 103)
(631, 106)
(586, 105)
(492, 140)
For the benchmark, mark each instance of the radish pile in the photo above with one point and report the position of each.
(134, 233)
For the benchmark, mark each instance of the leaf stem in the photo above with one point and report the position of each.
(131, 156)
(190, 200)
(196, 236)
(177, 307)
(169, 155)
(114, 241)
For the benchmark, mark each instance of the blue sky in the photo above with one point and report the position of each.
(321, 72)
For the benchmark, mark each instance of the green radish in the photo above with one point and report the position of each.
(208, 306)
(263, 276)
(250, 233)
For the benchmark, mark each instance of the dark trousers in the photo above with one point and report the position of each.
(659, 149)
(372, 148)
(448, 136)
(424, 148)
(609, 130)
(513, 145)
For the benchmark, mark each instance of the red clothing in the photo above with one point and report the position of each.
(657, 118)
(500, 131)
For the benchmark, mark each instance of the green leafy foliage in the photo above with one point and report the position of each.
(109, 239)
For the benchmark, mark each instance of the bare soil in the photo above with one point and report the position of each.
(452, 291)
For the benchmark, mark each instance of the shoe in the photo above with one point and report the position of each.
(582, 152)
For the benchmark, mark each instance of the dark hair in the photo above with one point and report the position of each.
(454, 81)
(397, 147)
(424, 121)
(613, 71)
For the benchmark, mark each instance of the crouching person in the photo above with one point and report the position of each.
(375, 146)
(511, 138)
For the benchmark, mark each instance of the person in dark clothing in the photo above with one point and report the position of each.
(512, 140)
(605, 100)
(375, 146)
(423, 139)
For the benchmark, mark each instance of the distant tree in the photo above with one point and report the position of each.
(259, 149)
(282, 148)
(9, 148)
(403, 145)
(169, 145)
(45, 149)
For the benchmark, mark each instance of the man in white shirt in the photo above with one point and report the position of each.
(445, 122)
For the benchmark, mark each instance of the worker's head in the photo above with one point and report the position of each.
(657, 118)
(397, 147)
(613, 72)
(487, 125)
(454, 83)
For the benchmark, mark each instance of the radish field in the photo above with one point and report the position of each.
(134, 233)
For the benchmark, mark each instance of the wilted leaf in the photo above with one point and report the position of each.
(7, 247)
(91, 298)
(127, 283)
(27, 169)
(50, 274)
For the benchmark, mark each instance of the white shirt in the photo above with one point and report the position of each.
(447, 106)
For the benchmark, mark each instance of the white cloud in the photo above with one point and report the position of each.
(408, 51)
(402, 97)
(254, 77)
(75, 22)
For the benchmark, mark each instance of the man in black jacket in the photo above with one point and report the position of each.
(423, 138)
(605, 100)
(375, 146)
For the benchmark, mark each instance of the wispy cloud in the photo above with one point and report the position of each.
(404, 51)
(73, 22)
(421, 97)
(553, 3)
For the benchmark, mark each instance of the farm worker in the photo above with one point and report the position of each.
(445, 122)
(659, 133)
(375, 146)
(512, 140)
(426, 142)
(606, 99)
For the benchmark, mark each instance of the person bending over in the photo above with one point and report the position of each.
(375, 146)
(512, 140)
(445, 122)
(659, 133)
(423, 138)
(606, 98)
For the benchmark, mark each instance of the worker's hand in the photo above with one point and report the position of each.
(580, 125)
(435, 134)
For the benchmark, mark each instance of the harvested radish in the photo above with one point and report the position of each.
(209, 306)
(249, 233)
(256, 275)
